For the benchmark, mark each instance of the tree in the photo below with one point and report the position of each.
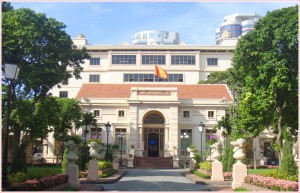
(45, 53)
(265, 74)
(87, 119)
(6, 6)
(216, 78)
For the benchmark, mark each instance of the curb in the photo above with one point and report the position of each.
(110, 180)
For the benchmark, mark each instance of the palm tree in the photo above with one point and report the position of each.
(87, 119)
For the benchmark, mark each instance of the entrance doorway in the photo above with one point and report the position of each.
(153, 145)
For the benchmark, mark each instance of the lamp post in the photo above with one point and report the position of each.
(107, 128)
(200, 127)
(121, 136)
(184, 137)
(11, 74)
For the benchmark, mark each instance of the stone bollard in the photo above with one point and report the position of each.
(175, 158)
(216, 166)
(239, 170)
(72, 169)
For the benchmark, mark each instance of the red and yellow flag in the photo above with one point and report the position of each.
(160, 72)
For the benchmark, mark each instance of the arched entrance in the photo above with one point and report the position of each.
(153, 134)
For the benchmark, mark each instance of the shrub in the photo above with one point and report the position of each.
(30, 175)
(19, 163)
(76, 138)
(109, 173)
(17, 177)
(271, 183)
(196, 172)
(193, 147)
(104, 165)
(227, 159)
(288, 165)
(205, 166)
(94, 140)
(65, 161)
(41, 184)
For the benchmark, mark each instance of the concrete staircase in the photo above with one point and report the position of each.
(153, 162)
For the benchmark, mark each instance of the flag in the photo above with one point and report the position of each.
(160, 72)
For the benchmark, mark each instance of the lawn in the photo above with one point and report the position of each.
(53, 169)
(260, 171)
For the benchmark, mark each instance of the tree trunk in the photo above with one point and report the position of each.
(279, 135)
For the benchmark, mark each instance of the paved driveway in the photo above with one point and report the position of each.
(154, 180)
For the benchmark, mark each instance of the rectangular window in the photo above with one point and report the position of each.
(212, 61)
(120, 139)
(123, 59)
(186, 114)
(182, 60)
(96, 133)
(94, 78)
(121, 113)
(185, 140)
(211, 114)
(63, 94)
(95, 61)
(153, 59)
(97, 113)
(152, 78)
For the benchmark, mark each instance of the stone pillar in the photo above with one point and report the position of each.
(175, 158)
(93, 170)
(216, 166)
(239, 171)
(72, 169)
(217, 171)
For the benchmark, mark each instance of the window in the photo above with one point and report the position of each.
(185, 140)
(96, 133)
(211, 114)
(97, 113)
(212, 61)
(152, 78)
(94, 78)
(153, 59)
(121, 113)
(63, 94)
(123, 59)
(182, 60)
(186, 114)
(120, 137)
(95, 61)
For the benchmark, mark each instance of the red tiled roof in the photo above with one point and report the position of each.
(200, 91)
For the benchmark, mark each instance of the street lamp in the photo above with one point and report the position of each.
(11, 74)
(200, 127)
(121, 136)
(184, 137)
(107, 128)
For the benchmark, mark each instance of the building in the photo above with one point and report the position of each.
(119, 86)
(234, 26)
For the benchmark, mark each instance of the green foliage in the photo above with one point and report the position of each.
(193, 147)
(19, 163)
(288, 165)
(84, 157)
(108, 174)
(196, 172)
(104, 165)
(225, 123)
(17, 177)
(6, 6)
(216, 78)
(264, 75)
(115, 146)
(65, 161)
(76, 138)
(241, 189)
(197, 158)
(94, 140)
(275, 173)
(205, 166)
(227, 159)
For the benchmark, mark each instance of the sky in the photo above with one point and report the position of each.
(116, 22)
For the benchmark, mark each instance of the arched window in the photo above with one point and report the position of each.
(154, 119)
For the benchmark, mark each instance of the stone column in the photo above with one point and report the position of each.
(72, 169)
(239, 171)
(93, 164)
(217, 166)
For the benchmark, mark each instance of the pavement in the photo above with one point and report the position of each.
(103, 184)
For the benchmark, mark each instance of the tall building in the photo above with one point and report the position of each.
(234, 26)
(156, 37)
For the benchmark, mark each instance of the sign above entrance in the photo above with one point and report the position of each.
(154, 92)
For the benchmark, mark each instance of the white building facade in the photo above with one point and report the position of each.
(118, 85)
